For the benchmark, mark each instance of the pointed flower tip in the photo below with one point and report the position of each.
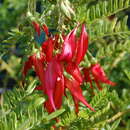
(100, 75)
(89, 106)
(91, 109)
(53, 71)
(112, 83)
(52, 101)
(76, 91)
(69, 46)
(84, 28)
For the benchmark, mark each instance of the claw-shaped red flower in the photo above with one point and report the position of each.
(37, 62)
(53, 73)
(76, 91)
(98, 75)
(57, 96)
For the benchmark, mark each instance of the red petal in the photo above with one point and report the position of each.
(87, 76)
(82, 45)
(100, 75)
(74, 71)
(45, 29)
(47, 48)
(76, 103)
(40, 87)
(48, 106)
(42, 57)
(76, 91)
(69, 46)
(37, 27)
(57, 44)
(98, 84)
(52, 72)
(59, 92)
(28, 65)
(39, 68)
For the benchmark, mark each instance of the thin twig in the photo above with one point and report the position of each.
(118, 115)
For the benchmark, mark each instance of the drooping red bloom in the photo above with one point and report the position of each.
(87, 76)
(36, 27)
(57, 96)
(52, 73)
(96, 73)
(76, 91)
(99, 74)
(53, 85)
(37, 62)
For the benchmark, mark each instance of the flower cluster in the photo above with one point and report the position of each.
(96, 72)
(57, 67)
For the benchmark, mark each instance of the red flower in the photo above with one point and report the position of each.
(97, 73)
(38, 66)
(87, 76)
(69, 46)
(53, 85)
(74, 49)
(49, 67)
(47, 49)
(76, 91)
(52, 73)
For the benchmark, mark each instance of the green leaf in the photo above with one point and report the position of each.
(101, 9)
(115, 124)
(31, 87)
(55, 114)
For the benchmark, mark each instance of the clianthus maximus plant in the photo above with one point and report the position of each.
(57, 65)
(79, 50)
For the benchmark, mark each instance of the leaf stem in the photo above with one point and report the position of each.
(118, 115)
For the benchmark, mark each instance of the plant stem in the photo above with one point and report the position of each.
(118, 115)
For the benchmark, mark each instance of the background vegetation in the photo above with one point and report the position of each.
(107, 23)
